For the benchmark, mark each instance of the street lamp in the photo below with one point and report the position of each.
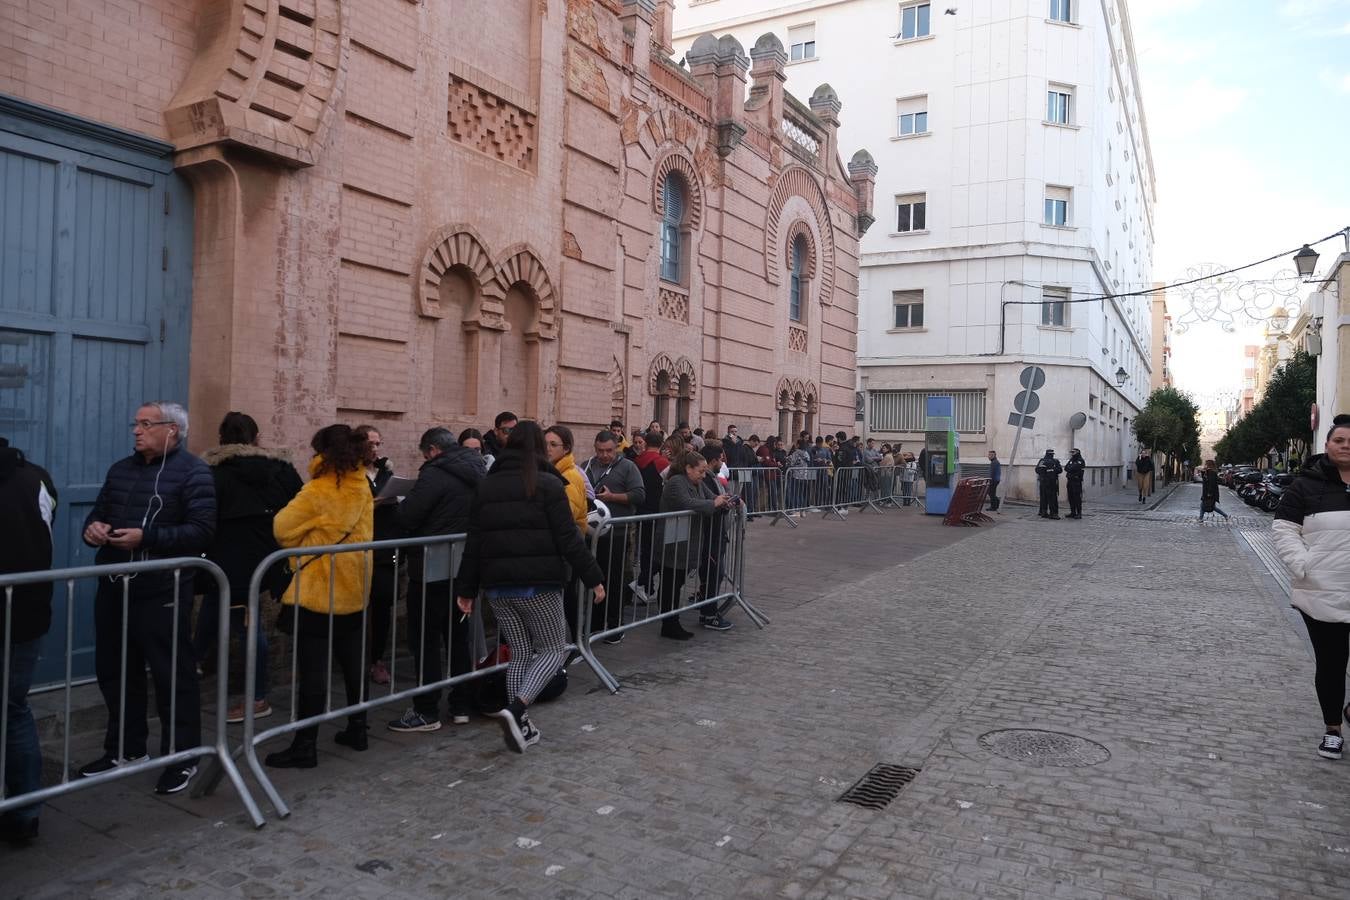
(1121, 377)
(1305, 260)
(1279, 319)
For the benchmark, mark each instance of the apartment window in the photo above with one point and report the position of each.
(1060, 11)
(908, 309)
(1057, 205)
(802, 42)
(672, 192)
(911, 116)
(1059, 105)
(1055, 307)
(914, 20)
(911, 212)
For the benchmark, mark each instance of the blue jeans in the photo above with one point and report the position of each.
(23, 754)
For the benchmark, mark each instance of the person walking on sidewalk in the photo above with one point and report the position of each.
(252, 483)
(1047, 477)
(28, 498)
(159, 502)
(1312, 536)
(437, 504)
(1209, 490)
(1143, 475)
(323, 606)
(521, 539)
(1073, 480)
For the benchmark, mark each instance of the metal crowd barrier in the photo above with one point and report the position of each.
(672, 575)
(435, 568)
(126, 573)
(796, 492)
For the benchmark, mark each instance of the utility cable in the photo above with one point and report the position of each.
(1168, 287)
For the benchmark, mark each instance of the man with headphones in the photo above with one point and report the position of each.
(157, 503)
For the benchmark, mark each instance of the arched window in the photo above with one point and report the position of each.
(673, 199)
(799, 281)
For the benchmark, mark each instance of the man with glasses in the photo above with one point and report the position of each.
(618, 484)
(157, 503)
(495, 440)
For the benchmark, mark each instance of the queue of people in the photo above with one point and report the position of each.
(517, 493)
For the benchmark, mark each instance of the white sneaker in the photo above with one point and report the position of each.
(639, 591)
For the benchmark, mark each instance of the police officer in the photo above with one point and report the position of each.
(1073, 474)
(1047, 473)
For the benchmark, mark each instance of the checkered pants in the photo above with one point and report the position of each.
(537, 633)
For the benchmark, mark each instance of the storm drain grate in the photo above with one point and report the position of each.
(879, 787)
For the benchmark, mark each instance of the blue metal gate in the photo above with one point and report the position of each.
(95, 299)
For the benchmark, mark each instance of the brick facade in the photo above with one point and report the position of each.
(404, 220)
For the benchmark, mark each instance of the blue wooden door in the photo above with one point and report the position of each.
(95, 281)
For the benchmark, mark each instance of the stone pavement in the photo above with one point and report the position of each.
(715, 772)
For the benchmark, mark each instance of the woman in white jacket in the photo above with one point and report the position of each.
(1312, 535)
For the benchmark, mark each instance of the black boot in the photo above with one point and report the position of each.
(301, 754)
(671, 628)
(355, 734)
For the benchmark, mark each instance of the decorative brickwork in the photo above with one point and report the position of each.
(674, 370)
(798, 181)
(264, 79)
(520, 266)
(677, 161)
(796, 395)
(455, 245)
(491, 124)
(673, 305)
(796, 339)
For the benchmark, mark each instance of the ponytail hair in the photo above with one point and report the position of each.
(527, 439)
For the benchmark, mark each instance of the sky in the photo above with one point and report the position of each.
(1248, 109)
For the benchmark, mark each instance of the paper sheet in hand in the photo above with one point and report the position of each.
(396, 486)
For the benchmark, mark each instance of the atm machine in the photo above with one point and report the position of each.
(941, 454)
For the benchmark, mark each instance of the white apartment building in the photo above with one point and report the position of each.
(1014, 200)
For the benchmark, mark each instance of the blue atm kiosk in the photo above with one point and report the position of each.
(941, 452)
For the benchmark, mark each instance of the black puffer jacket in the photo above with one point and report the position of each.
(519, 541)
(386, 514)
(439, 502)
(28, 499)
(178, 516)
(251, 485)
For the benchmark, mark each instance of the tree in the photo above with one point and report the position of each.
(1169, 423)
(1281, 421)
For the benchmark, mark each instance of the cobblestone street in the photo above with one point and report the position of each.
(1162, 644)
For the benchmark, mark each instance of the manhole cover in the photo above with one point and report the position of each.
(882, 784)
(1044, 748)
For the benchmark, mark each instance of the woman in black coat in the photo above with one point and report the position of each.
(251, 485)
(521, 534)
(1209, 490)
